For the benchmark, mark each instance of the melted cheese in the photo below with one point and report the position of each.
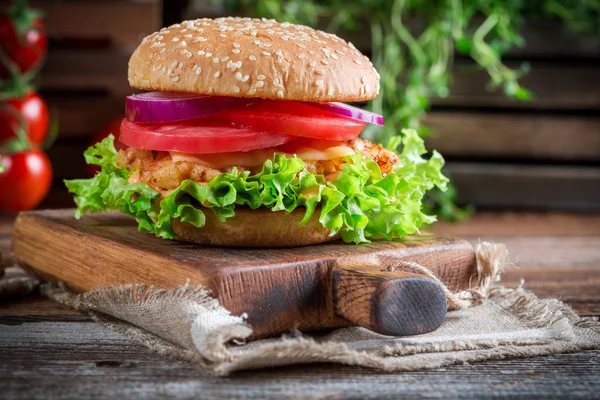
(255, 158)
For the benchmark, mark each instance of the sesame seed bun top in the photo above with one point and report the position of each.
(253, 58)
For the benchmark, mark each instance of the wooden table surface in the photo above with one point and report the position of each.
(50, 351)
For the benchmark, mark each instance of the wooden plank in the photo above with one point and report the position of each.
(541, 187)
(81, 69)
(530, 136)
(510, 223)
(84, 116)
(555, 87)
(279, 289)
(85, 360)
(125, 23)
(35, 308)
(542, 39)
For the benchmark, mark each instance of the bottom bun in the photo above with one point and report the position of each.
(256, 228)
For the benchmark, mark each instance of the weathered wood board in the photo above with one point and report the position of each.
(306, 288)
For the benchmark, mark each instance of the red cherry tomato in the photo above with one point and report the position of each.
(26, 180)
(113, 127)
(34, 111)
(26, 50)
(294, 118)
(198, 136)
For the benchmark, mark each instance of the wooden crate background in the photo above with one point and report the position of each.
(84, 80)
(501, 153)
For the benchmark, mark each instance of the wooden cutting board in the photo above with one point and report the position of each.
(307, 288)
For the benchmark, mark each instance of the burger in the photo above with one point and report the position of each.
(240, 137)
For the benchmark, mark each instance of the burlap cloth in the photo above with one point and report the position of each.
(486, 323)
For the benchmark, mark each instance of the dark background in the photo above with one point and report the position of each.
(543, 154)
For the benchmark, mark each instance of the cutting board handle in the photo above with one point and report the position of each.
(397, 303)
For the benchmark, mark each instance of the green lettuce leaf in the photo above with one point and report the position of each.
(360, 203)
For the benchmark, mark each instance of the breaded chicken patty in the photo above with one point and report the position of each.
(158, 170)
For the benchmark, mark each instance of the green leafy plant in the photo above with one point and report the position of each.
(413, 43)
(360, 203)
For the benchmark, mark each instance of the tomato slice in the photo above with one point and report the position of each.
(198, 136)
(293, 118)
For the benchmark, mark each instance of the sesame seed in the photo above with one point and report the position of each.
(236, 45)
(170, 71)
(200, 52)
(175, 78)
(188, 35)
(194, 67)
(252, 91)
(324, 62)
(209, 54)
(183, 51)
(223, 35)
(312, 52)
(339, 52)
(367, 88)
(188, 54)
(245, 78)
(236, 89)
(312, 63)
(198, 71)
(174, 63)
(320, 82)
(333, 56)
(320, 72)
(183, 43)
(357, 61)
(236, 51)
(179, 65)
(364, 79)
(280, 94)
(216, 60)
(266, 53)
(260, 77)
(238, 76)
(301, 55)
(257, 42)
(253, 58)
(276, 81)
(217, 74)
(176, 39)
(260, 84)
(223, 59)
(162, 50)
(330, 92)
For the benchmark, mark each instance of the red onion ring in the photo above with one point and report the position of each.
(346, 110)
(154, 107)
